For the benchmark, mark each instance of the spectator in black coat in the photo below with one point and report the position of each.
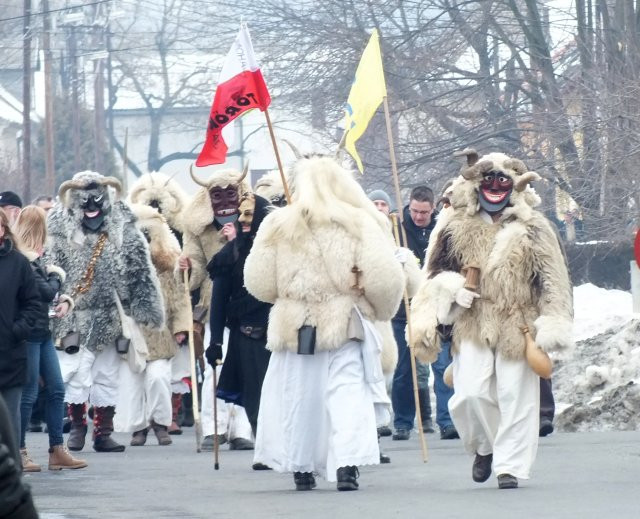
(18, 314)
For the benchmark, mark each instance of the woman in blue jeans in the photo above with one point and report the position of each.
(42, 361)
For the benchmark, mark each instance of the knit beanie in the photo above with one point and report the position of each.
(379, 194)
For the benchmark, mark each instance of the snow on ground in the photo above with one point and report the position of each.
(596, 386)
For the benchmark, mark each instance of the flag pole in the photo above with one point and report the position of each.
(396, 182)
(287, 194)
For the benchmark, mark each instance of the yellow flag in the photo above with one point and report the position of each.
(366, 94)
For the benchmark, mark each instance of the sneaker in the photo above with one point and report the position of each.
(207, 442)
(384, 430)
(546, 427)
(481, 469)
(449, 432)
(347, 478)
(401, 434)
(427, 427)
(507, 481)
(240, 444)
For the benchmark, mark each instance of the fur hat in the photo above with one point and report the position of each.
(159, 189)
(270, 186)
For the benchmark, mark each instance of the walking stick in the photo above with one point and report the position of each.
(216, 443)
(414, 372)
(194, 377)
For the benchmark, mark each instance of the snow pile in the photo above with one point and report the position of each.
(597, 385)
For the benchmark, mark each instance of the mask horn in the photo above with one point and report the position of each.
(194, 178)
(470, 153)
(114, 183)
(245, 170)
(296, 151)
(523, 180)
(169, 179)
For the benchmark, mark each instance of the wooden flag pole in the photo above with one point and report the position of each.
(396, 182)
(287, 194)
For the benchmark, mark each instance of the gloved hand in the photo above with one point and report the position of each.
(465, 297)
(213, 354)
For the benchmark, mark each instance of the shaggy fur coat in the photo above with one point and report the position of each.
(202, 238)
(523, 273)
(165, 250)
(303, 254)
(124, 267)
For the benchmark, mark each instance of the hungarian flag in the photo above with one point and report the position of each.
(241, 88)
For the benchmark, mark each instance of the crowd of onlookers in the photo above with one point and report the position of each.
(30, 297)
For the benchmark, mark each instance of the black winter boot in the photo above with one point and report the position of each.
(78, 431)
(304, 480)
(347, 477)
(102, 429)
(187, 411)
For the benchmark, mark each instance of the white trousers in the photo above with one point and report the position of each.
(144, 397)
(232, 419)
(91, 376)
(496, 408)
(316, 413)
(180, 368)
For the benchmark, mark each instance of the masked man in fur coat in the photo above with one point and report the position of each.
(326, 263)
(93, 237)
(165, 194)
(147, 395)
(492, 225)
(209, 221)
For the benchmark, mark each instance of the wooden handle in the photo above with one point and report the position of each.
(472, 281)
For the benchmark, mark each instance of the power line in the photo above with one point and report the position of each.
(97, 2)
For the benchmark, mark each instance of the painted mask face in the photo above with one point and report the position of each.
(93, 210)
(225, 202)
(247, 209)
(495, 191)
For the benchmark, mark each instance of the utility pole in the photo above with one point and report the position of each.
(98, 91)
(75, 103)
(50, 180)
(26, 99)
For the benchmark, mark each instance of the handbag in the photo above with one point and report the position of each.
(70, 343)
(137, 353)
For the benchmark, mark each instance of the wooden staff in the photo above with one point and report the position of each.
(194, 377)
(414, 372)
(287, 194)
(216, 443)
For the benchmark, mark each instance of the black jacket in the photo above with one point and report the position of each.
(19, 300)
(231, 304)
(48, 286)
(418, 240)
(15, 497)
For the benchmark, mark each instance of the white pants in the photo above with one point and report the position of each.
(316, 413)
(180, 368)
(232, 419)
(144, 397)
(496, 408)
(91, 376)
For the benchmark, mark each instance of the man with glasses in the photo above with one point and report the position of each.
(418, 223)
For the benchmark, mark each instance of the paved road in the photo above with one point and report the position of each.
(584, 476)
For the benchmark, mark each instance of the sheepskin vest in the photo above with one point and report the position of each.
(309, 279)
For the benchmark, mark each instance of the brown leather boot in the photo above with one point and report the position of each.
(78, 431)
(161, 434)
(176, 402)
(102, 429)
(27, 463)
(139, 438)
(60, 458)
